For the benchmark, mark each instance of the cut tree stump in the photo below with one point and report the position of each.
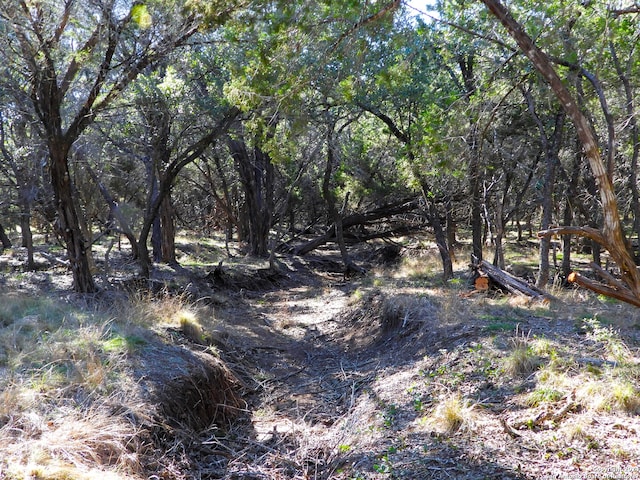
(506, 281)
(481, 283)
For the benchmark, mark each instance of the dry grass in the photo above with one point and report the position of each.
(67, 392)
(610, 395)
(452, 414)
(69, 443)
(190, 326)
(522, 361)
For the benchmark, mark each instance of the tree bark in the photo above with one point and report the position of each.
(612, 228)
(68, 223)
(441, 240)
(256, 175)
(4, 239)
(168, 233)
(511, 283)
(27, 235)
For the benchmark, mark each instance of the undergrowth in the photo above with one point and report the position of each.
(65, 380)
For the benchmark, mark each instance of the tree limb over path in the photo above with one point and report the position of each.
(611, 236)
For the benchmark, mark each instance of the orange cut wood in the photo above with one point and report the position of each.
(482, 283)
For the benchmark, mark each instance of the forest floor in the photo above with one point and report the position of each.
(248, 374)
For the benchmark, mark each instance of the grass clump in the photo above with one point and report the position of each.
(613, 395)
(55, 368)
(610, 339)
(190, 326)
(522, 361)
(452, 414)
(543, 395)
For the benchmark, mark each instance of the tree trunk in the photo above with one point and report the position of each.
(68, 222)
(4, 239)
(498, 255)
(168, 234)
(256, 174)
(115, 211)
(27, 235)
(329, 198)
(568, 216)
(26, 195)
(441, 240)
(476, 196)
(552, 150)
(635, 141)
(466, 64)
(156, 240)
(451, 226)
(612, 233)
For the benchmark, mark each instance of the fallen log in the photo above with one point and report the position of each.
(510, 283)
(383, 212)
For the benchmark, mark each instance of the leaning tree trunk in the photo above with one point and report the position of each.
(611, 236)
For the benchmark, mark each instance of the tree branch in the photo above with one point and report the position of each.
(625, 295)
(389, 7)
(588, 232)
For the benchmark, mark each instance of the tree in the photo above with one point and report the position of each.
(77, 58)
(611, 236)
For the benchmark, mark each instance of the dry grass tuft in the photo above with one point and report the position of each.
(190, 326)
(452, 414)
(612, 395)
(522, 361)
(70, 444)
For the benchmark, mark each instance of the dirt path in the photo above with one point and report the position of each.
(349, 388)
(395, 377)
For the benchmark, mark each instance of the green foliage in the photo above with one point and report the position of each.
(119, 343)
(543, 395)
(141, 16)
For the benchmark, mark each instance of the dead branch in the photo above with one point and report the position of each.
(613, 281)
(624, 295)
(546, 415)
(385, 211)
(588, 232)
(617, 288)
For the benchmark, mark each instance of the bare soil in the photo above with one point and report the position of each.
(389, 375)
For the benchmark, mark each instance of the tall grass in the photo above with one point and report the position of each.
(63, 368)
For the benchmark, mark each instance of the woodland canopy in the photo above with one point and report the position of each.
(288, 125)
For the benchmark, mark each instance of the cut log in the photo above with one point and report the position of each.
(625, 295)
(511, 283)
(481, 283)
